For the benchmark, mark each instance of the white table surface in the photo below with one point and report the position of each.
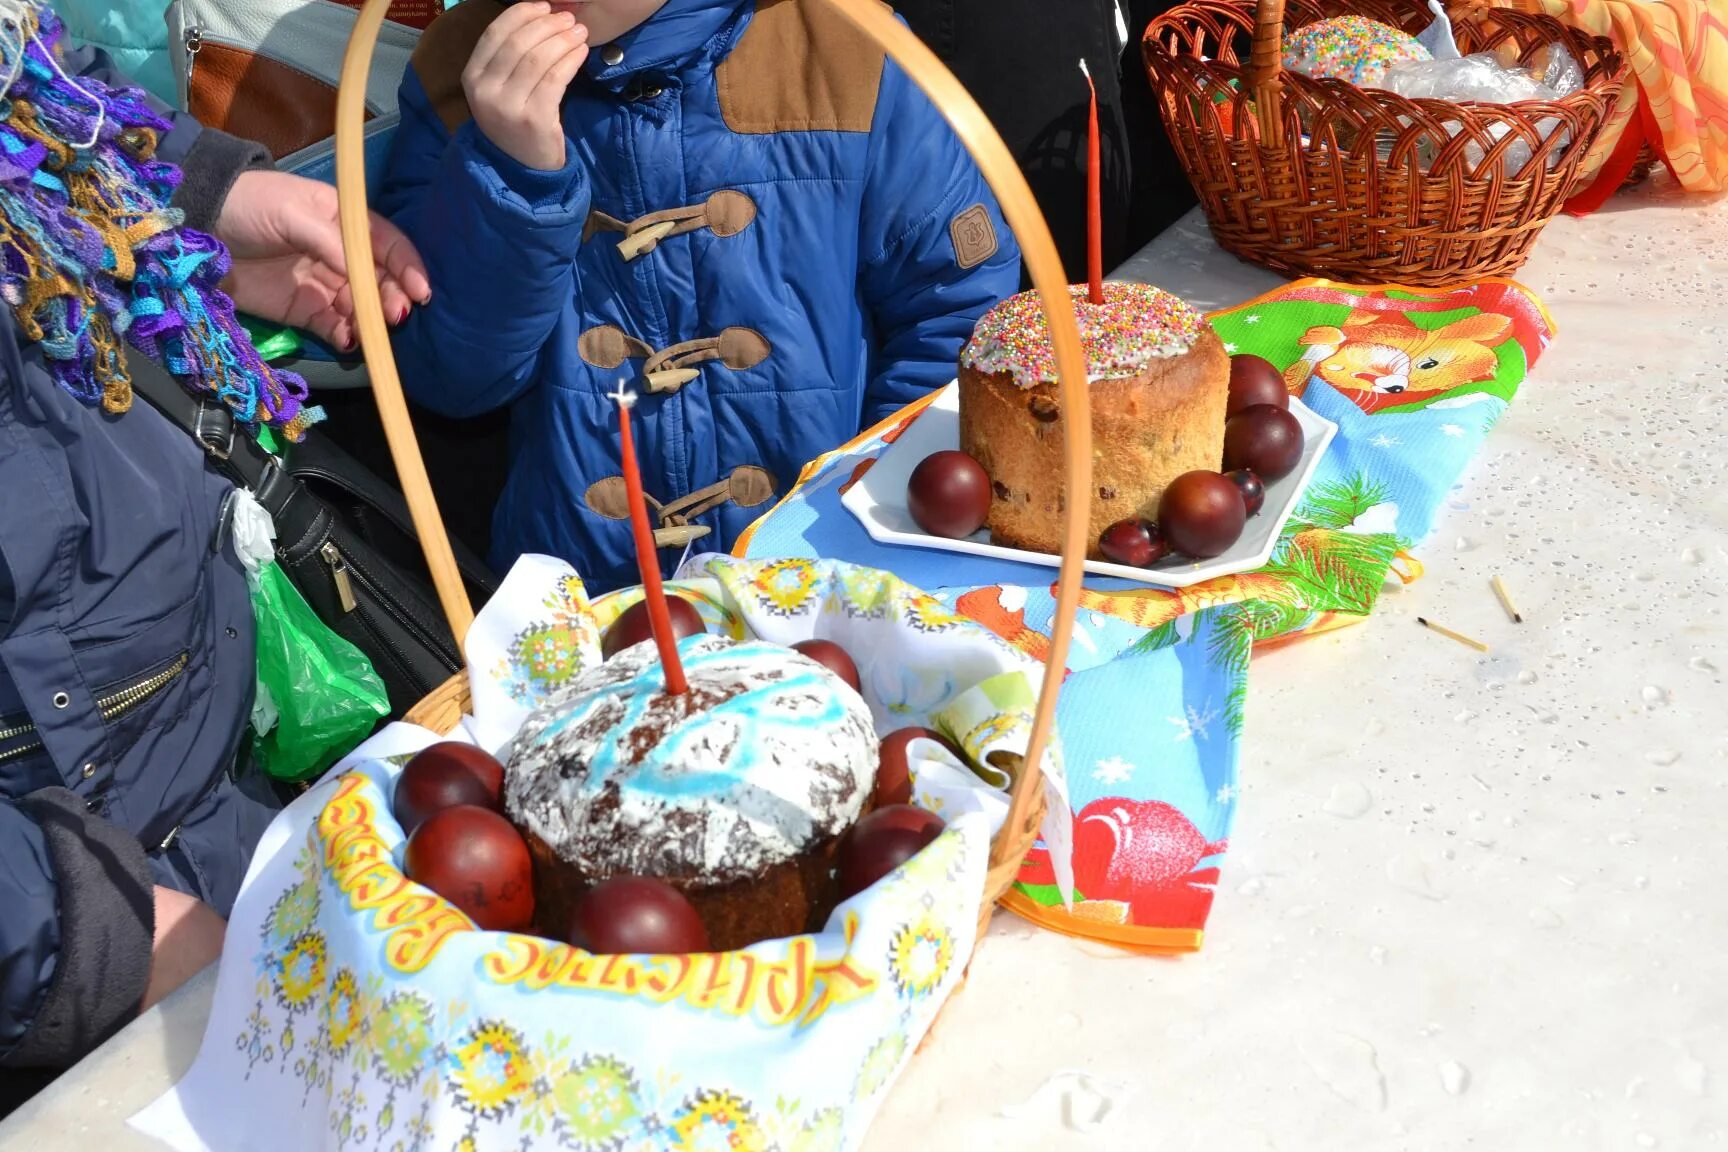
(1472, 901)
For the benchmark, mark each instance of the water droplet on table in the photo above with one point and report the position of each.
(1348, 1065)
(1655, 697)
(1645, 1140)
(1455, 1078)
(1700, 664)
(1348, 800)
(1692, 1075)
(1084, 1102)
(1662, 757)
(1545, 918)
(1413, 877)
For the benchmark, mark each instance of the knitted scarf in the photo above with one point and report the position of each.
(93, 258)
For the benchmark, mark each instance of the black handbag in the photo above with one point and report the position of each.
(343, 537)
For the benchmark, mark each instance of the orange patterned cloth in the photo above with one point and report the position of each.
(1678, 53)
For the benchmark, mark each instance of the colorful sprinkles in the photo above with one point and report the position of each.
(1136, 323)
(1350, 48)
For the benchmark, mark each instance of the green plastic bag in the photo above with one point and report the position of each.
(318, 696)
(326, 695)
(272, 342)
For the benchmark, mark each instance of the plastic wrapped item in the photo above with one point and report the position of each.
(1486, 78)
(317, 694)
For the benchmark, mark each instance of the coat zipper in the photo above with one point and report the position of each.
(112, 706)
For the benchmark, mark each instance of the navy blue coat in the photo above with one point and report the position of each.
(126, 675)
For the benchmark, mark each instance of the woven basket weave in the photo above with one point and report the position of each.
(1320, 178)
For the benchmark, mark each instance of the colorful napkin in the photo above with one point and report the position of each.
(355, 1010)
(1155, 699)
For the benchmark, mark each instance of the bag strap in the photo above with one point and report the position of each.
(234, 453)
(275, 483)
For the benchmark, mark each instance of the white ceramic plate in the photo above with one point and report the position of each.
(878, 500)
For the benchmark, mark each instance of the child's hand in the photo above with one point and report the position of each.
(516, 79)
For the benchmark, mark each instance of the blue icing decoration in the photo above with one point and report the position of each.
(769, 753)
(747, 711)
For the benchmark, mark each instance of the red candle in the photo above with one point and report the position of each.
(659, 619)
(1094, 200)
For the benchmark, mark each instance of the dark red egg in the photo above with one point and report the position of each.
(1254, 380)
(893, 773)
(881, 842)
(473, 858)
(444, 776)
(1201, 514)
(636, 915)
(949, 495)
(632, 626)
(832, 657)
(1252, 490)
(1263, 438)
(1139, 543)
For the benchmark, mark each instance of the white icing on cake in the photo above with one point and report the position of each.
(767, 754)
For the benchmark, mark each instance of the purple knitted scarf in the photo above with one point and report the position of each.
(93, 258)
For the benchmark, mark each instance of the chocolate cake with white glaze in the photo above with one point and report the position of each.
(736, 792)
(1160, 383)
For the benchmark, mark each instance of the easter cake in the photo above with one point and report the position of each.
(1160, 383)
(737, 792)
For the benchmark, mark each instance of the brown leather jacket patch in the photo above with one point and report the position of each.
(974, 236)
(799, 67)
(443, 53)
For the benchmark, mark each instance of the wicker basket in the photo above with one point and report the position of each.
(1320, 178)
(443, 709)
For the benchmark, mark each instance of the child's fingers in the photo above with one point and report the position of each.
(508, 59)
(550, 90)
(542, 58)
(515, 17)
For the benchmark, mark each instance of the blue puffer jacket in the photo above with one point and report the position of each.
(762, 226)
(126, 673)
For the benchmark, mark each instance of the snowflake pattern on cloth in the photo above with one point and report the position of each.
(1155, 700)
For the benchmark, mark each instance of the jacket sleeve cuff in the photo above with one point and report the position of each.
(213, 162)
(541, 191)
(107, 925)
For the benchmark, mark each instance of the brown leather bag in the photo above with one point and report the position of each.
(267, 70)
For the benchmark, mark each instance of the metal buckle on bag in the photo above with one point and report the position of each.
(214, 428)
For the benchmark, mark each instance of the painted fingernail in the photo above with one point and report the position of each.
(401, 316)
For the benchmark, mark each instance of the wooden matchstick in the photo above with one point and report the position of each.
(1506, 601)
(1451, 635)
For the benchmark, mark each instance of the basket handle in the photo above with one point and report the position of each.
(1265, 65)
(1019, 209)
(375, 333)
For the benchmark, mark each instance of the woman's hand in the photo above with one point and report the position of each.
(515, 82)
(289, 266)
(188, 940)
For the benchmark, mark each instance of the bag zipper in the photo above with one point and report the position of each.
(194, 43)
(112, 706)
(339, 574)
(345, 572)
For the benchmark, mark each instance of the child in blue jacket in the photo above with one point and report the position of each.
(739, 207)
